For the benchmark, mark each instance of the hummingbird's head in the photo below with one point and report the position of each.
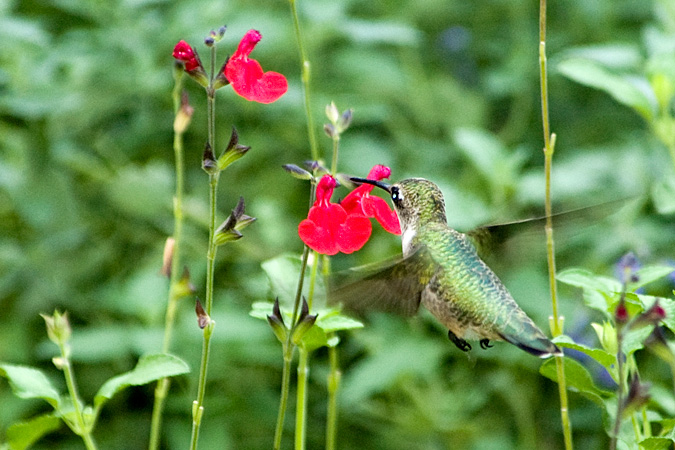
(416, 200)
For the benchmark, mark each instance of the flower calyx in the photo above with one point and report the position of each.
(230, 229)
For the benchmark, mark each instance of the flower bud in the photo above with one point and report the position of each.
(209, 163)
(305, 323)
(58, 328)
(203, 319)
(621, 312)
(332, 113)
(233, 152)
(607, 337)
(276, 321)
(653, 316)
(230, 230)
(167, 257)
(193, 65)
(626, 268)
(330, 131)
(345, 120)
(183, 116)
(297, 172)
(638, 395)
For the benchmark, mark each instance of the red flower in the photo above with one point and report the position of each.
(360, 202)
(328, 228)
(183, 52)
(247, 77)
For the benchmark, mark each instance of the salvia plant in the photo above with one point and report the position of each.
(342, 211)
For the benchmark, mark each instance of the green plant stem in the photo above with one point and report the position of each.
(334, 378)
(621, 389)
(283, 401)
(306, 78)
(549, 146)
(336, 148)
(162, 388)
(81, 428)
(288, 349)
(198, 405)
(301, 405)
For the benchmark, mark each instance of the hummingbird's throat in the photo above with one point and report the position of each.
(407, 238)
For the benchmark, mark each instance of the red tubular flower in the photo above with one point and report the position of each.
(360, 202)
(183, 52)
(328, 228)
(247, 77)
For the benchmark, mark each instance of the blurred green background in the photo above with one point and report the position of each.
(443, 89)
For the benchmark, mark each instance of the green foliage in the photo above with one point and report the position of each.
(149, 368)
(447, 90)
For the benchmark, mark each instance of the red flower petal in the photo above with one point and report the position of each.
(354, 234)
(183, 52)
(378, 208)
(378, 172)
(247, 77)
(328, 228)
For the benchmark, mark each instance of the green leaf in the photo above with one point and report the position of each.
(658, 442)
(577, 377)
(663, 194)
(27, 382)
(284, 272)
(603, 357)
(22, 435)
(649, 274)
(149, 368)
(621, 88)
(334, 321)
(586, 279)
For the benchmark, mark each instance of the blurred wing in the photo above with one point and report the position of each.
(492, 238)
(392, 286)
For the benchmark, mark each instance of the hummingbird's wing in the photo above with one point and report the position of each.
(490, 239)
(394, 286)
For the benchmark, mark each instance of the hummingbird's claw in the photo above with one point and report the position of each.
(459, 342)
(485, 344)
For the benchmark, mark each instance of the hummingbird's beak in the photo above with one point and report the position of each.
(381, 185)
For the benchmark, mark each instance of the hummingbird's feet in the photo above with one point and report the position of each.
(460, 343)
(485, 344)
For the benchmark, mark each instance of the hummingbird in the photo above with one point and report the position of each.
(441, 269)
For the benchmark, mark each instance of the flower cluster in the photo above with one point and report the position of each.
(345, 227)
(243, 73)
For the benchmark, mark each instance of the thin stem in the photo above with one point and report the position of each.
(334, 378)
(81, 429)
(163, 384)
(301, 405)
(336, 148)
(306, 78)
(549, 146)
(198, 404)
(283, 402)
(621, 389)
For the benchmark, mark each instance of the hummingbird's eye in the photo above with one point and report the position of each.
(396, 196)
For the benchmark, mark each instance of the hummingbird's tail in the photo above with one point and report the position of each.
(541, 346)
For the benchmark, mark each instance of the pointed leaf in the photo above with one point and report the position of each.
(149, 368)
(332, 321)
(586, 279)
(621, 88)
(22, 435)
(28, 382)
(648, 274)
(603, 357)
(577, 377)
